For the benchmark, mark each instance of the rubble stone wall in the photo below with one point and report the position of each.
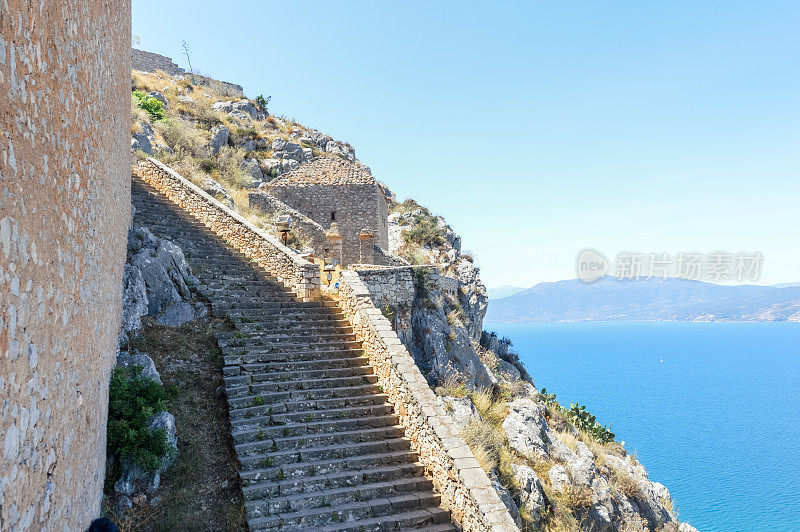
(303, 226)
(64, 212)
(290, 268)
(354, 207)
(150, 62)
(465, 488)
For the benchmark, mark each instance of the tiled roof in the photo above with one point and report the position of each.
(325, 171)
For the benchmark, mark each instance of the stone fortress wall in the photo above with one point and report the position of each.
(150, 62)
(64, 213)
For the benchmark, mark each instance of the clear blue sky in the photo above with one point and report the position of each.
(538, 128)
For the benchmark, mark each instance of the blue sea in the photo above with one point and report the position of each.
(717, 422)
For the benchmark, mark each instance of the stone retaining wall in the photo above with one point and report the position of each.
(465, 488)
(302, 226)
(298, 274)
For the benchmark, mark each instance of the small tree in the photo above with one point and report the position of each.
(262, 102)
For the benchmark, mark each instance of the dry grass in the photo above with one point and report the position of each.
(491, 410)
(625, 483)
(487, 357)
(571, 497)
(485, 442)
(453, 386)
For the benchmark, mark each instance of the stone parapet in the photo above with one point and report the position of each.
(301, 276)
(302, 226)
(464, 487)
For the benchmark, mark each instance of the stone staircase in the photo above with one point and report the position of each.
(317, 440)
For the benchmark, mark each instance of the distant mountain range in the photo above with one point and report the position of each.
(654, 299)
(503, 291)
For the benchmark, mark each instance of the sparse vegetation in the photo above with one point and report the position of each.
(201, 490)
(153, 106)
(133, 398)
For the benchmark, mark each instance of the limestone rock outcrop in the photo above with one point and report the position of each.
(155, 284)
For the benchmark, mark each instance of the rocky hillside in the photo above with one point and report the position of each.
(557, 468)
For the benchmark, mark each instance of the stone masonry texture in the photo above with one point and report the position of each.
(331, 190)
(64, 211)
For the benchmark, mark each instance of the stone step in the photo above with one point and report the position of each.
(254, 356)
(241, 405)
(236, 388)
(327, 441)
(303, 484)
(299, 424)
(235, 375)
(279, 466)
(336, 496)
(438, 521)
(296, 365)
(407, 509)
(299, 412)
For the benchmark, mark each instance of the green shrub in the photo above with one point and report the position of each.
(262, 102)
(153, 106)
(208, 165)
(582, 419)
(133, 398)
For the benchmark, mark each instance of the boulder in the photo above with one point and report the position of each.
(224, 107)
(134, 479)
(247, 107)
(253, 171)
(139, 141)
(531, 496)
(216, 190)
(270, 168)
(558, 477)
(163, 269)
(460, 409)
(219, 138)
(287, 165)
(126, 359)
(508, 371)
(160, 97)
(582, 470)
(176, 314)
(283, 149)
(249, 145)
(339, 148)
(134, 303)
(526, 428)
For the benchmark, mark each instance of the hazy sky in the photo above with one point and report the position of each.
(538, 128)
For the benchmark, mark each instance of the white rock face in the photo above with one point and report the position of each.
(216, 190)
(531, 495)
(219, 138)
